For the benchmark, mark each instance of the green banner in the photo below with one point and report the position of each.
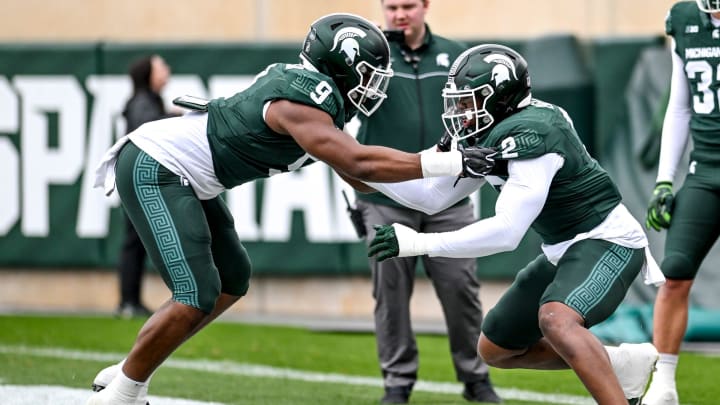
(61, 110)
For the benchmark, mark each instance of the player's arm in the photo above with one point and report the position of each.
(519, 203)
(430, 195)
(674, 140)
(314, 131)
(676, 126)
(358, 185)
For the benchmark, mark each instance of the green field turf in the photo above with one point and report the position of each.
(87, 344)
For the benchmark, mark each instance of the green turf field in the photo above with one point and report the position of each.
(235, 363)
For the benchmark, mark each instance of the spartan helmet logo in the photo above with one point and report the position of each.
(349, 46)
(504, 67)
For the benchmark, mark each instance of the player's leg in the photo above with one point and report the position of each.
(694, 229)
(171, 223)
(592, 279)
(512, 335)
(229, 255)
(234, 267)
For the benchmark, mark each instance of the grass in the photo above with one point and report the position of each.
(350, 354)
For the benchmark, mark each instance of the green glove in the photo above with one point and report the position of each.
(659, 211)
(385, 243)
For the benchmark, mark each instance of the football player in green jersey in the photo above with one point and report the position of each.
(692, 215)
(170, 174)
(592, 247)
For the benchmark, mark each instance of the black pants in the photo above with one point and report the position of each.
(131, 265)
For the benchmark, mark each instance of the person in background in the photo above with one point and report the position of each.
(592, 250)
(149, 75)
(170, 175)
(410, 120)
(692, 215)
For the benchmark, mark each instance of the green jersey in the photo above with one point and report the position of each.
(581, 194)
(243, 147)
(698, 45)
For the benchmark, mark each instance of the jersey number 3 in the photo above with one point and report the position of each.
(702, 71)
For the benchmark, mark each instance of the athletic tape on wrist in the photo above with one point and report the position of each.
(437, 164)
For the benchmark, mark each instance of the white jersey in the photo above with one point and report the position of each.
(181, 145)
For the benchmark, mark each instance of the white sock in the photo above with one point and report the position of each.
(124, 388)
(143, 392)
(665, 369)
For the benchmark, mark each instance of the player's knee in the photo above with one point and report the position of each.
(556, 319)
(486, 351)
(675, 289)
(680, 267)
(202, 295)
(497, 356)
(208, 298)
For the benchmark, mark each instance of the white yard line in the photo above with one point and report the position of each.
(57, 395)
(253, 370)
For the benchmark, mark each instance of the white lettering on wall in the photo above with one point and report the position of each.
(241, 202)
(9, 160)
(106, 125)
(307, 191)
(44, 164)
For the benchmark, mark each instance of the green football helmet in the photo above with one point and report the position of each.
(486, 83)
(355, 54)
(709, 6)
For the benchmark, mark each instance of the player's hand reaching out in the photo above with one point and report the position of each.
(477, 161)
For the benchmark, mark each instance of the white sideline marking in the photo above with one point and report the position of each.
(253, 370)
(57, 395)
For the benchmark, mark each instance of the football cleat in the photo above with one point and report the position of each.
(105, 397)
(659, 395)
(633, 367)
(102, 380)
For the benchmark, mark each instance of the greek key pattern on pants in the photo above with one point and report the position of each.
(163, 229)
(601, 279)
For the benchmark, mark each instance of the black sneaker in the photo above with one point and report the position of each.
(481, 391)
(397, 395)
